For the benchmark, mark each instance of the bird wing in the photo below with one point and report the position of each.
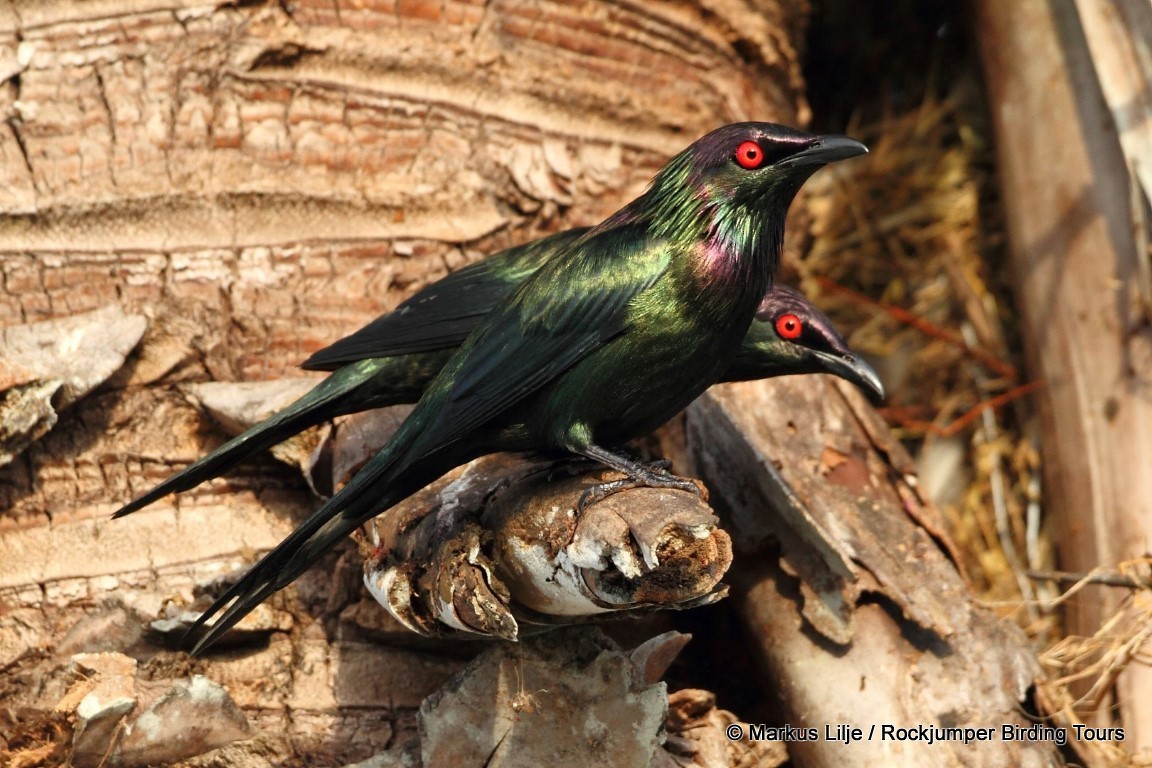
(571, 308)
(567, 310)
(443, 314)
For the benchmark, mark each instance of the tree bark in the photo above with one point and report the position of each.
(258, 179)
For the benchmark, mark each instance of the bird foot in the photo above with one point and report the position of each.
(653, 474)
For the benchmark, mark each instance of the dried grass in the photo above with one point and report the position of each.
(900, 258)
(1093, 663)
(907, 257)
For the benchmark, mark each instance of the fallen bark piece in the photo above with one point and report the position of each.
(123, 720)
(569, 698)
(476, 713)
(104, 693)
(189, 718)
(111, 627)
(238, 405)
(699, 735)
(26, 414)
(499, 544)
(46, 367)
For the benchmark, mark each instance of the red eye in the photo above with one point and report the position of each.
(749, 155)
(789, 326)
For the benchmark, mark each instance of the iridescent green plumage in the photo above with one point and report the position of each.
(614, 334)
(369, 372)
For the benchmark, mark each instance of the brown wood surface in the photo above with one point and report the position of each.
(259, 178)
(1082, 287)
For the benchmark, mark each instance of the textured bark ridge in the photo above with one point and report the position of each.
(260, 179)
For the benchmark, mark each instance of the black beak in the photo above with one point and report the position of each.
(824, 150)
(854, 369)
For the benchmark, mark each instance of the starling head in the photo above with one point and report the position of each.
(752, 163)
(791, 336)
(732, 187)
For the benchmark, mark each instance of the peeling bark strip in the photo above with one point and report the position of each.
(46, 367)
(898, 631)
(137, 724)
(530, 704)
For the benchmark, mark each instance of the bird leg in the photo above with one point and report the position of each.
(641, 474)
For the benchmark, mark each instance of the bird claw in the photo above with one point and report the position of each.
(594, 494)
(655, 475)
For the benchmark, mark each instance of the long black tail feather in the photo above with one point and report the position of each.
(324, 529)
(349, 390)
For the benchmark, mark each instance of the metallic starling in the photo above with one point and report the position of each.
(788, 336)
(614, 334)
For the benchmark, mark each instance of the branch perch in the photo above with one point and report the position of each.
(500, 544)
